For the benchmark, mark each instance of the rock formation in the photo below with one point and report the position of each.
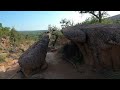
(33, 59)
(99, 44)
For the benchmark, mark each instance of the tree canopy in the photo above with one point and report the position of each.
(99, 15)
(65, 23)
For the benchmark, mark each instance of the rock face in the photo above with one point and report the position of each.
(99, 44)
(33, 59)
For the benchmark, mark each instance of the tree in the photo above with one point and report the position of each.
(51, 29)
(6, 28)
(4, 31)
(93, 20)
(55, 32)
(90, 20)
(98, 14)
(13, 35)
(65, 23)
(0, 25)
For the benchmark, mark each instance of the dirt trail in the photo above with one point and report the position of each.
(57, 69)
(61, 69)
(8, 70)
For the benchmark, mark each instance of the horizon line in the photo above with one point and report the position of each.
(28, 30)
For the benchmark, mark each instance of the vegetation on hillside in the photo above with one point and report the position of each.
(98, 15)
(15, 42)
(93, 20)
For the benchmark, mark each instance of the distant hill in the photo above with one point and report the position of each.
(36, 32)
(116, 17)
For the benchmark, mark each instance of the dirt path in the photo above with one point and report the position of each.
(8, 70)
(58, 69)
(61, 69)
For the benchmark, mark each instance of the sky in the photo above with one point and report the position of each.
(39, 20)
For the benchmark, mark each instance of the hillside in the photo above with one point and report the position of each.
(116, 17)
(36, 32)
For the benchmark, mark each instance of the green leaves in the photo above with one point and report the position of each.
(0, 25)
(4, 31)
(93, 20)
(99, 15)
(65, 23)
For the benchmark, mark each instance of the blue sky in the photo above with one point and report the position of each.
(39, 20)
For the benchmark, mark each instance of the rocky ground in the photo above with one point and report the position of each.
(57, 69)
(9, 57)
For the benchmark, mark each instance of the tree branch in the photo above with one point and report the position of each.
(94, 14)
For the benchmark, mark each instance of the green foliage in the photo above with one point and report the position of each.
(55, 34)
(58, 33)
(40, 35)
(116, 21)
(99, 15)
(52, 28)
(32, 35)
(106, 21)
(65, 23)
(15, 36)
(54, 31)
(4, 31)
(2, 60)
(3, 56)
(0, 25)
(93, 20)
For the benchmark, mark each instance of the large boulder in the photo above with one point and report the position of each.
(99, 44)
(33, 59)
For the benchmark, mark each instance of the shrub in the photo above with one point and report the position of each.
(3, 56)
(93, 20)
(2, 60)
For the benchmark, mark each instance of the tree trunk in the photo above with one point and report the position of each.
(100, 17)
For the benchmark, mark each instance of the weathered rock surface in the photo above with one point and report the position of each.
(99, 44)
(33, 59)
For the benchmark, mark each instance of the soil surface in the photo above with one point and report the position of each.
(58, 69)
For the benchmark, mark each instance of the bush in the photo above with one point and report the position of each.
(55, 35)
(3, 56)
(2, 60)
(93, 20)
